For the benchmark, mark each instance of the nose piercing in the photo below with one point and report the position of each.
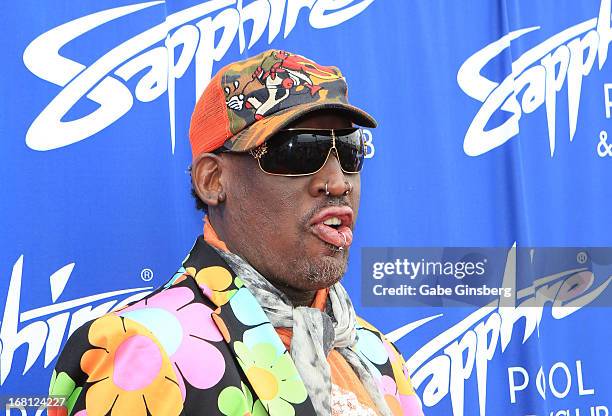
(326, 191)
(350, 188)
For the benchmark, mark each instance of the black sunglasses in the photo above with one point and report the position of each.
(300, 152)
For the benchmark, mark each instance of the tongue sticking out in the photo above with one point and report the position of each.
(341, 237)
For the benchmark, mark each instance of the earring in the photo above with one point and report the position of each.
(326, 191)
(221, 197)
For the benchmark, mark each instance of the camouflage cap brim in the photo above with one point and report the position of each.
(265, 128)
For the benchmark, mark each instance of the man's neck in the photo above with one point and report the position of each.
(296, 296)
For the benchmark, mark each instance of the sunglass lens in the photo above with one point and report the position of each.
(291, 153)
(350, 149)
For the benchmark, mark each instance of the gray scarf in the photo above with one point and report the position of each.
(315, 334)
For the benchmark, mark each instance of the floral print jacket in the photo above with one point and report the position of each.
(201, 345)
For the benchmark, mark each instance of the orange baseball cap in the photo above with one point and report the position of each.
(248, 101)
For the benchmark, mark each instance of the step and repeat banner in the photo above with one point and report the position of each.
(495, 133)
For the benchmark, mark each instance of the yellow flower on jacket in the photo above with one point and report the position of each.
(214, 282)
(130, 371)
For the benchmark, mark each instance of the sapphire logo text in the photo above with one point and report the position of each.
(45, 327)
(202, 34)
(541, 72)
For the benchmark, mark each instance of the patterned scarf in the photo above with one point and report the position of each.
(315, 333)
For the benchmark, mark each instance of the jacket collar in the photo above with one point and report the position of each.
(239, 317)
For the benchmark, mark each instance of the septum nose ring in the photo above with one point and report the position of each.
(326, 190)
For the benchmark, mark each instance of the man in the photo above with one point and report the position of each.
(256, 321)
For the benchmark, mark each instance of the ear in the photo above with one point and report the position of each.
(205, 177)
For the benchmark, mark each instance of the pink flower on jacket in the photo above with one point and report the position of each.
(184, 329)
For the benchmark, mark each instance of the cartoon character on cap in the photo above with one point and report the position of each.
(288, 74)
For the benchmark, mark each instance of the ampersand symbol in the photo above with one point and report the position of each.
(603, 148)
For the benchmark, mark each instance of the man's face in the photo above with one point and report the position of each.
(277, 223)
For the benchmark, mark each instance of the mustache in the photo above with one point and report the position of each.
(330, 201)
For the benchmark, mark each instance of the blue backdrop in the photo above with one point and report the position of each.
(494, 121)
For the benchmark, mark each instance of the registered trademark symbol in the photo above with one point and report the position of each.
(582, 257)
(146, 274)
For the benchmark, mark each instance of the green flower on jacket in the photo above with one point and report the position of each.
(63, 385)
(273, 377)
(236, 402)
